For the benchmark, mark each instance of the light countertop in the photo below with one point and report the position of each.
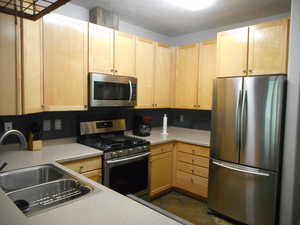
(104, 207)
(190, 136)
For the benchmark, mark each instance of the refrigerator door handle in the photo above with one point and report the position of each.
(254, 171)
(243, 128)
(238, 122)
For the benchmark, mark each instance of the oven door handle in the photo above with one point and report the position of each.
(131, 91)
(126, 160)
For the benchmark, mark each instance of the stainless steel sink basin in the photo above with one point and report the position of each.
(41, 187)
(40, 197)
(28, 177)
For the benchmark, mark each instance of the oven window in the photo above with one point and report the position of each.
(111, 91)
(130, 178)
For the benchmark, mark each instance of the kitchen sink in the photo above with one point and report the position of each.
(22, 178)
(40, 197)
(41, 187)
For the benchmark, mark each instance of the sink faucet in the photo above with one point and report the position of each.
(17, 133)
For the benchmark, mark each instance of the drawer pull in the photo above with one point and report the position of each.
(192, 171)
(81, 168)
(193, 160)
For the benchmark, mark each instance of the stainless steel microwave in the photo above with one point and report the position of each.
(109, 90)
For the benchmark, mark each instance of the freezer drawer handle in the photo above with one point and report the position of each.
(241, 170)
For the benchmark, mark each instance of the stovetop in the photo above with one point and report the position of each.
(112, 142)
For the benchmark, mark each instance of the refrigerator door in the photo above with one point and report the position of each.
(226, 119)
(262, 121)
(244, 194)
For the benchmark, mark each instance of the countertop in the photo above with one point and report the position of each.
(190, 136)
(103, 207)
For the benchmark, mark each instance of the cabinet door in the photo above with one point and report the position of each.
(187, 76)
(8, 65)
(124, 54)
(207, 73)
(163, 66)
(32, 66)
(232, 50)
(145, 72)
(160, 173)
(268, 48)
(65, 63)
(101, 49)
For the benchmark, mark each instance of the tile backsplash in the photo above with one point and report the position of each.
(69, 121)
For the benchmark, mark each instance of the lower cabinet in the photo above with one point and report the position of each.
(192, 169)
(161, 167)
(89, 167)
(179, 165)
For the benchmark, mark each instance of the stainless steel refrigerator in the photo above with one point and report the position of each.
(247, 130)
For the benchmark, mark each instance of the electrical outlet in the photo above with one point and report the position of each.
(46, 125)
(181, 119)
(8, 126)
(57, 125)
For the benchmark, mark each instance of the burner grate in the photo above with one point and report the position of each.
(30, 9)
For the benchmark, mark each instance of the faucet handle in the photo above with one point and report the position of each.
(3, 166)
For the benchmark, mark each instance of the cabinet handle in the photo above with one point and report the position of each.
(116, 71)
(85, 106)
(244, 71)
(43, 106)
(112, 70)
(81, 168)
(192, 171)
(250, 71)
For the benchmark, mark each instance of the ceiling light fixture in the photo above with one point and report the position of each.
(192, 5)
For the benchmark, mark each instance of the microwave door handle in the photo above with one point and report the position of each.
(131, 91)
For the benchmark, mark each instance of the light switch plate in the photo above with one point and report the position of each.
(46, 125)
(57, 125)
(8, 126)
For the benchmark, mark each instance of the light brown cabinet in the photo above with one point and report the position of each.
(65, 63)
(195, 71)
(124, 63)
(89, 167)
(101, 49)
(192, 169)
(111, 52)
(145, 59)
(256, 50)
(161, 166)
(187, 60)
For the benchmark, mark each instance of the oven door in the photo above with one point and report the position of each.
(109, 90)
(127, 175)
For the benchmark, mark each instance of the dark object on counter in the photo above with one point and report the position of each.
(35, 137)
(3, 166)
(23, 205)
(142, 126)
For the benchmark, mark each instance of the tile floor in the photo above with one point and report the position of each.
(192, 210)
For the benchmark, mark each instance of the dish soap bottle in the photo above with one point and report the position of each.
(165, 125)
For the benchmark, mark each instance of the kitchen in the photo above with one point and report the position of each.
(75, 87)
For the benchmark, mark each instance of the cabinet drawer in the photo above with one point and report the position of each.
(193, 159)
(95, 175)
(84, 165)
(158, 149)
(192, 169)
(192, 183)
(193, 149)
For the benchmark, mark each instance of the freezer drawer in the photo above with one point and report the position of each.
(245, 194)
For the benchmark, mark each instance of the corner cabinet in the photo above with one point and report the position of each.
(187, 57)
(65, 63)
(256, 50)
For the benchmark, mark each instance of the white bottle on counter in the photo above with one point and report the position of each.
(165, 125)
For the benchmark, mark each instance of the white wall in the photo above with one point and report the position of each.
(81, 13)
(212, 33)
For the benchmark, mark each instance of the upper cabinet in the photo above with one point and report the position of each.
(162, 78)
(65, 63)
(256, 50)
(268, 48)
(187, 59)
(9, 90)
(145, 50)
(207, 73)
(111, 52)
(101, 49)
(124, 63)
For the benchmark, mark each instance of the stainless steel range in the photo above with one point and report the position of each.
(125, 158)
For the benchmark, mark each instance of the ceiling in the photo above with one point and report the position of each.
(162, 17)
